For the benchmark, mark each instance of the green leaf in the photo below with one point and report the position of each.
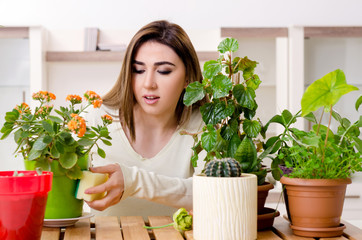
(254, 82)
(54, 152)
(211, 69)
(230, 129)
(68, 159)
(104, 132)
(228, 45)
(59, 147)
(245, 96)
(194, 92)
(65, 135)
(208, 139)
(325, 92)
(287, 117)
(39, 144)
(85, 142)
(106, 142)
(194, 159)
(214, 112)
(18, 134)
(233, 145)
(43, 164)
(101, 153)
(11, 117)
(34, 154)
(221, 86)
(358, 103)
(310, 117)
(56, 119)
(90, 134)
(47, 139)
(48, 126)
(272, 145)
(252, 128)
(246, 155)
(358, 143)
(336, 116)
(74, 173)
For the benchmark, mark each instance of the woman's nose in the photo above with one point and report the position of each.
(150, 81)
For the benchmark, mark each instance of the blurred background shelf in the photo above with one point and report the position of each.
(107, 56)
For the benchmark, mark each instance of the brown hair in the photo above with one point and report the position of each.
(121, 96)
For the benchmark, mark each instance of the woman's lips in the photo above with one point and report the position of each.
(151, 99)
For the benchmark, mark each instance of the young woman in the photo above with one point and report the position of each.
(149, 160)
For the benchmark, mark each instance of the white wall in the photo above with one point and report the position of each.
(190, 14)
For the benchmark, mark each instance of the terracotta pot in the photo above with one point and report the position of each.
(225, 208)
(315, 203)
(263, 191)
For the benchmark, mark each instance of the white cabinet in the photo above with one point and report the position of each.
(14, 89)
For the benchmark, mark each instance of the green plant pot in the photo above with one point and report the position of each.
(61, 199)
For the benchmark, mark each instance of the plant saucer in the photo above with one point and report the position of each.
(318, 232)
(65, 222)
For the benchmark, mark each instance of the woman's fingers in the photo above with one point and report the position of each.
(112, 198)
(111, 168)
(114, 187)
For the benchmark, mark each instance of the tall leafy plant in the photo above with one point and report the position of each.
(230, 129)
(320, 152)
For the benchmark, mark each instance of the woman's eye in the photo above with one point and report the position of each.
(164, 72)
(138, 71)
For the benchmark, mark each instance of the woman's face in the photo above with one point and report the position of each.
(158, 79)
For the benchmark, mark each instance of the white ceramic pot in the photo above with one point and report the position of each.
(225, 208)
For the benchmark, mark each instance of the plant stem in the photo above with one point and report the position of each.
(167, 225)
(329, 124)
(319, 123)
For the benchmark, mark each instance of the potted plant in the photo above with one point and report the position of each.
(59, 143)
(230, 129)
(320, 161)
(23, 196)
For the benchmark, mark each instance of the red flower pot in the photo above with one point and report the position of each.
(22, 204)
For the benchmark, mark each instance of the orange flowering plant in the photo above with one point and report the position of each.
(62, 140)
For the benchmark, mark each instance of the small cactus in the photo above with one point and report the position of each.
(226, 167)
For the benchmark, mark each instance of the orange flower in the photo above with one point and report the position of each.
(93, 98)
(107, 119)
(77, 125)
(74, 99)
(23, 108)
(44, 96)
(44, 110)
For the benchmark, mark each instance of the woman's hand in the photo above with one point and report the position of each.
(114, 187)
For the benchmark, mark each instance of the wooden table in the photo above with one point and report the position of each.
(131, 228)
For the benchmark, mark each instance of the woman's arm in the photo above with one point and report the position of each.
(133, 181)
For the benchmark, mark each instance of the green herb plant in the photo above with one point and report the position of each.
(230, 129)
(60, 142)
(318, 153)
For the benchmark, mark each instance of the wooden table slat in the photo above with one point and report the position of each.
(50, 233)
(189, 235)
(132, 227)
(352, 232)
(108, 228)
(282, 229)
(165, 233)
(80, 231)
(267, 234)
(334, 238)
